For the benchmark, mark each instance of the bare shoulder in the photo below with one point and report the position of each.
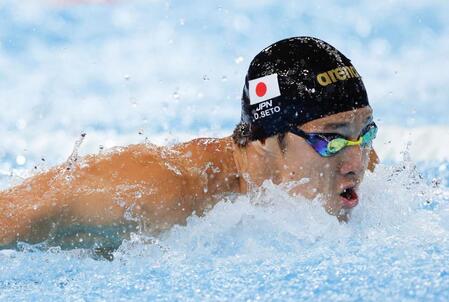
(138, 163)
(200, 149)
(141, 177)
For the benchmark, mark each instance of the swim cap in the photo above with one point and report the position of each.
(297, 80)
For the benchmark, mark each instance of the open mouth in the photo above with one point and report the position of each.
(349, 198)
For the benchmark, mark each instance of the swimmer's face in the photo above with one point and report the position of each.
(328, 176)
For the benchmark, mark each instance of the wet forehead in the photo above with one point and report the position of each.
(341, 121)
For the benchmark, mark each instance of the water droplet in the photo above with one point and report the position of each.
(238, 60)
(224, 78)
(21, 160)
(176, 95)
(121, 203)
(206, 78)
(138, 194)
(127, 77)
(304, 180)
(182, 21)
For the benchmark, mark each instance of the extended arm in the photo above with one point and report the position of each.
(38, 198)
(96, 191)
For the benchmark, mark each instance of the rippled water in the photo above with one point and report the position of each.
(125, 70)
(267, 246)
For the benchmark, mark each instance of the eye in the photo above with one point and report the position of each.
(368, 128)
(329, 136)
(336, 145)
(369, 135)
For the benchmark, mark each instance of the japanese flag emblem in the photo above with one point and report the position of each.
(263, 88)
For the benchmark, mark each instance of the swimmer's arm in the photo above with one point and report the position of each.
(37, 198)
(96, 191)
(373, 160)
(64, 193)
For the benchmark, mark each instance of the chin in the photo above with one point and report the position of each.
(344, 215)
(341, 210)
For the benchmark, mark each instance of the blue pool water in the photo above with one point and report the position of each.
(165, 71)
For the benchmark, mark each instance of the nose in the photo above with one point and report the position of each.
(352, 161)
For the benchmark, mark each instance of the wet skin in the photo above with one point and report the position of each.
(156, 187)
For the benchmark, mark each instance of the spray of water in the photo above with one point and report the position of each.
(266, 244)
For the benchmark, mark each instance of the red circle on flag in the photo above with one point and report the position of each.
(261, 89)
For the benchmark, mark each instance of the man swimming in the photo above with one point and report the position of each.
(305, 115)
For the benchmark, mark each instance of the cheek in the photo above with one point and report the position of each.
(306, 163)
(300, 159)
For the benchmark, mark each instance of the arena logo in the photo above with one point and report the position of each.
(337, 74)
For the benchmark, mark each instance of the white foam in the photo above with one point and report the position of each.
(397, 207)
(427, 143)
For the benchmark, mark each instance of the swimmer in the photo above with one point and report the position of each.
(305, 115)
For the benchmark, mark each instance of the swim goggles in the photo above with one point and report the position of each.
(328, 144)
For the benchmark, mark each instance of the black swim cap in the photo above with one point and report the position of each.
(297, 80)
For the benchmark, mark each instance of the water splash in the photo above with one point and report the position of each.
(73, 158)
(269, 245)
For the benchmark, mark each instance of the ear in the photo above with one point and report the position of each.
(269, 148)
(373, 160)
